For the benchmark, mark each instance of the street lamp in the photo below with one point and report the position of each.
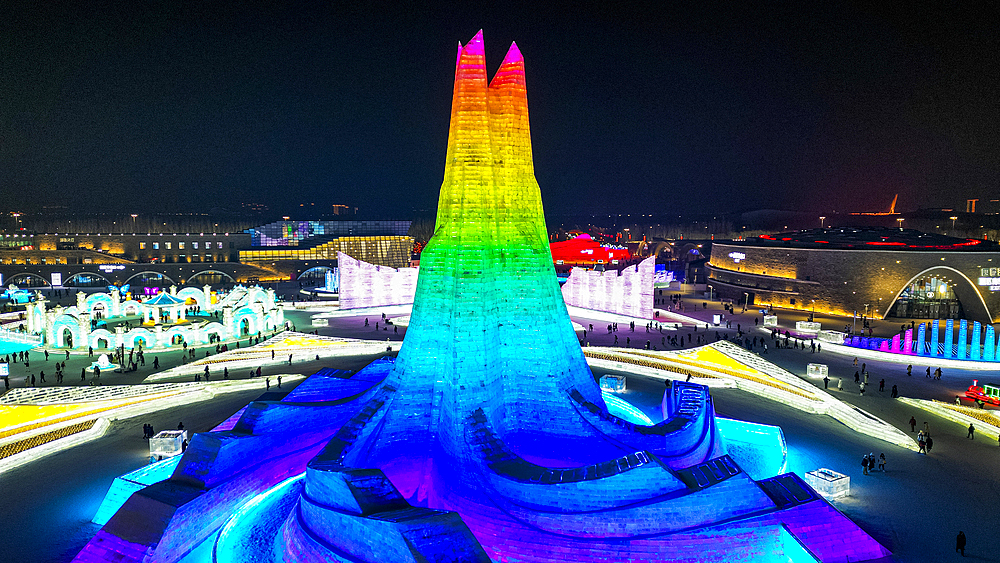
(953, 221)
(900, 221)
(821, 221)
(18, 217)
(746, 302)
(133, 221)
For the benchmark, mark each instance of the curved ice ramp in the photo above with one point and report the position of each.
(686, 436)
(358, 515)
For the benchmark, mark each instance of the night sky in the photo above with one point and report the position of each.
(179, 106)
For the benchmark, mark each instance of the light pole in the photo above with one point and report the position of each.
(821, 221)
(18, 217)
(133, 221)
(746, 301)
(953, 218)
(900, 221)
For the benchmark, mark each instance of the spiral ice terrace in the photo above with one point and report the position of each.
(487, 438)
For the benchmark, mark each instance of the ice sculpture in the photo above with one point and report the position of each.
(629, 292)
(371, 285)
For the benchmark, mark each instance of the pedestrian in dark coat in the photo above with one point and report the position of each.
(960, 543)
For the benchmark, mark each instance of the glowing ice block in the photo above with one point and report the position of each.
(167, 443)
(829, 483)
(613, 383)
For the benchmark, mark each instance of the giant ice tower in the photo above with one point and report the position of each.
(487, 439)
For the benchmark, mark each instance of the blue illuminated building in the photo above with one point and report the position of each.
(487, 439)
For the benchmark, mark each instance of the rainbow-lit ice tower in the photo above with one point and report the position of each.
(489, 326)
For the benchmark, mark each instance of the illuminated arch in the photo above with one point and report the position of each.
(178, 331)
(102, 334)
(146, 335)
(661, 246)
(219, 272)
(194, 293)
(214, 328)
(79, 274)
(161, 274)
(14, 278)
(131, 305)
(103, 298)
(255, 295)
(271, 321)
(61, 325)
(253, 322)
(972, 301)
(316, 269)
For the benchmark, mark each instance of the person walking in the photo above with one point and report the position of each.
(894, 393)
(864, 464)
(960, 543)
(826, 382)
(881, 385)
(267, 383)
(921, 443)
(972, 430)
(279, 382)
(909, 370)
(881, 462)
(857, 377)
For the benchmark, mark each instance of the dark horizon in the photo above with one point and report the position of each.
(634, 110)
